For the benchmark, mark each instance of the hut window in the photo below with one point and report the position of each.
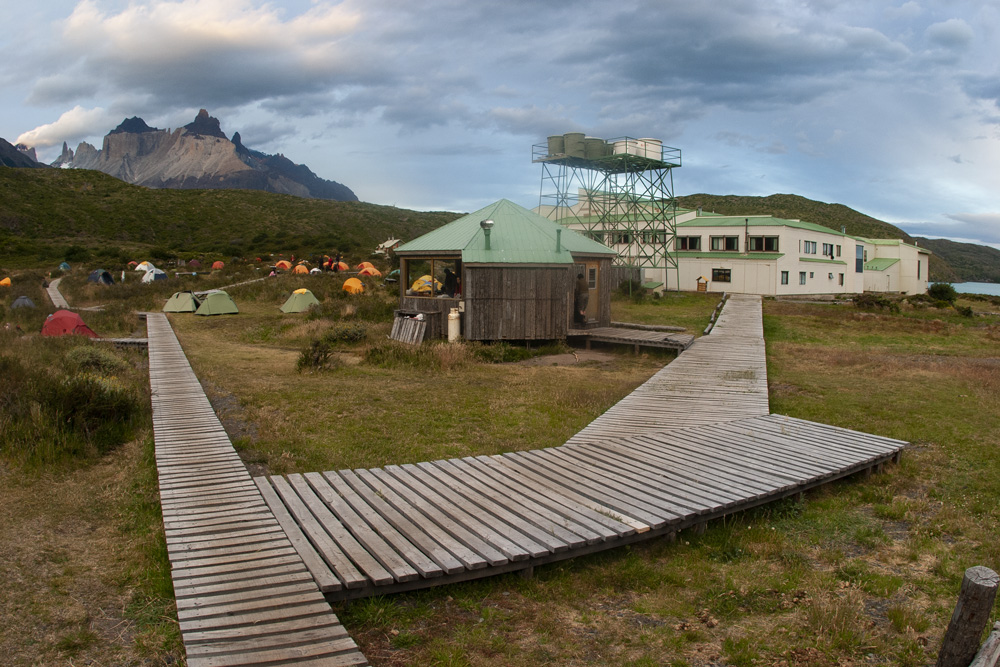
(722, 275)
(429, 277)
(592, 277)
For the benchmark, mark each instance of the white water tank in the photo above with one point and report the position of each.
(652, 148)
(454, 325)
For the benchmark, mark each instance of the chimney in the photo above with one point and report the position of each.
(558, 240)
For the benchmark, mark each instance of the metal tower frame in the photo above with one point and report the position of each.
(622, 196)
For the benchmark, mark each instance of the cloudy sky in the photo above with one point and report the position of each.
(891, 108)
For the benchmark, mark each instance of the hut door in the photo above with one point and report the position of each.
(591, 275)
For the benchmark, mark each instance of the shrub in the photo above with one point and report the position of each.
(501, 353)
(93, 358)
(964, 311)
(870, 301)
(347, 332)
(942, 292)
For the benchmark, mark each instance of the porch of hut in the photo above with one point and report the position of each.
(514, 276)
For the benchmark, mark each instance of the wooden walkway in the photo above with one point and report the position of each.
(721, 377)
(244, 595)
(634, 337)
(55, 296)
(694, 443)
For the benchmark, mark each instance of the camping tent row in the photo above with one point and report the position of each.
(214, 303)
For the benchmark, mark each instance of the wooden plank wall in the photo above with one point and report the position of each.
(516, 302)
(435, 308)
(244, 593)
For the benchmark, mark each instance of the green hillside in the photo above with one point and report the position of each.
(951, 262)
(45, 213)
(970, 262)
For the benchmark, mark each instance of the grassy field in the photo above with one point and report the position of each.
(864, 571)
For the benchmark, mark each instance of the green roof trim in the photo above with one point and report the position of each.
(651, 285)
(695, 254)
(880, 263)
(823, 261)
(518, 236)
(747, 221)
(898, 242)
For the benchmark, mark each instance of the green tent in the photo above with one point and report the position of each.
(217, 303)
(182, 302)
(300, 301)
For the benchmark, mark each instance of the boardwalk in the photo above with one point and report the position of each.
(55, 296)
(253, 559)
(634, 337)
(244, 595)
(693, 443)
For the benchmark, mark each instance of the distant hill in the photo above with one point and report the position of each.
(951, 262)
(46, 212)
(969, 262)
(10, 156)
(197, 156)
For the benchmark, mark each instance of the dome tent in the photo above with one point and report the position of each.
(300, 301)
(353, 286)
(64, 266)
(283, 264)
(22, 302)
(369, 271)
(144, 266)
(300, 269)
(155, 274)
(218, 265)
(182, 302)
(217, 303)
(100, 276)
(64, 323)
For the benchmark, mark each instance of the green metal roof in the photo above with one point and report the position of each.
(695, 254)
(754, 221)
(880, 263)
(519, 236)
(822, 261)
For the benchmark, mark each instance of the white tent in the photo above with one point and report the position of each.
(154, 274)
(144, 266)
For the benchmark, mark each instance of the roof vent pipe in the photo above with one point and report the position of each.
(487, 225)
(558, 240)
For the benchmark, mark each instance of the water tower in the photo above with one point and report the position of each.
(617, 191)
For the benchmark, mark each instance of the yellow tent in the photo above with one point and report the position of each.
(5, 282)
(423, 284)
(353, 286)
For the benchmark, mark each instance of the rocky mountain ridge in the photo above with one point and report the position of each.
(196, 156)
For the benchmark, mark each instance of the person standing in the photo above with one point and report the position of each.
(581, 300)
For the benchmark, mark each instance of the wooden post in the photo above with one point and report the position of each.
(972, 612)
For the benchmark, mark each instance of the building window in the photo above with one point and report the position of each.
(859, 259)
(689, 243)
(597, 236)
(763, 244)
(623, 238)
(592, 277)
(722, 275)
(784, 277)
(802, 277)
(726, 243)
(812, 274)
(838, 251)
(841, 279)
(828, 250)
(809, 247)
(918, 269)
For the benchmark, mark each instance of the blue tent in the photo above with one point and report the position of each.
(100, 276)
(64, 266)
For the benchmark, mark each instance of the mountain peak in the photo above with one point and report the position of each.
(135, 125)
(205, 125)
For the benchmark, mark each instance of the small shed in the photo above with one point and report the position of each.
(510, 272)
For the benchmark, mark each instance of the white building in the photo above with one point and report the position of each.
(761, 254)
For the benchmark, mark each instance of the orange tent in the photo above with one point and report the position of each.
(369, 271)
(218, 265)
(301, 268)
(353, 286)
(365, 265)
(283, 264)
(5, 282)
(342, 266)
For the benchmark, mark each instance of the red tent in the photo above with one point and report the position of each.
(218, 265)
(65, 322)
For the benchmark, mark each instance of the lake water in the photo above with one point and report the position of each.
(977, 288)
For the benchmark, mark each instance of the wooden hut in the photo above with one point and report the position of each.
(512, 275)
